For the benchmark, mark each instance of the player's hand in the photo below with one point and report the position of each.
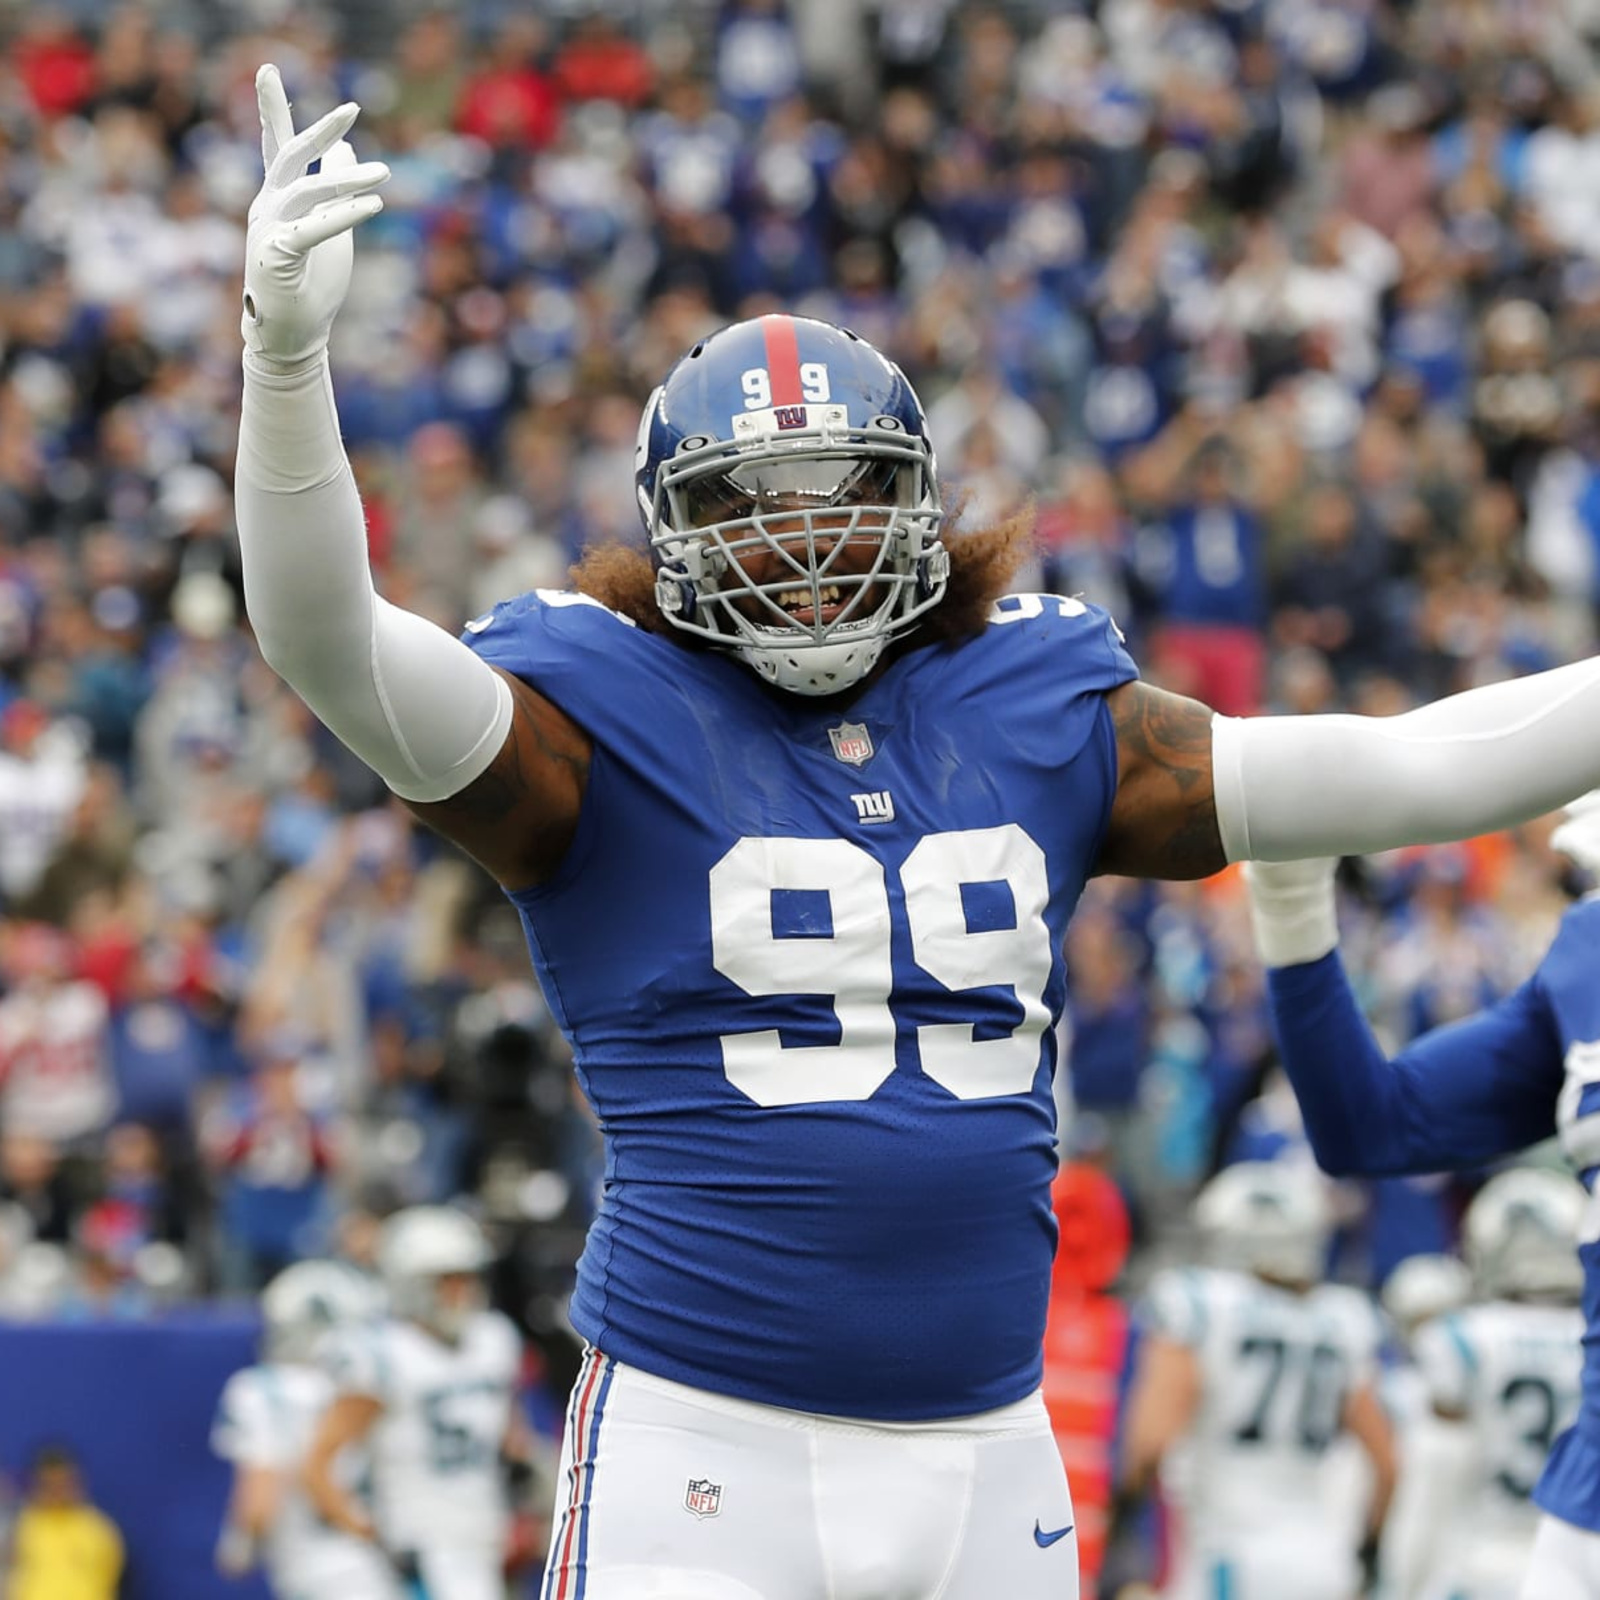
(1578, 838)
(1292, 909)
(236, 1552)
(298, 249)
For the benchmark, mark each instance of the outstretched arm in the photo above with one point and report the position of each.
(427, 715)
(1456, 1097)
(1196, 790)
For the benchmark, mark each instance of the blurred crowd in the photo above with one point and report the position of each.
(1284, 315)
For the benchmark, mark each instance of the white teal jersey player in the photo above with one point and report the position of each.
(1510, 1372)
(1249, 1480)
(436, 1444)
(1460, 1097)
(266, 1418)
(826, 1099)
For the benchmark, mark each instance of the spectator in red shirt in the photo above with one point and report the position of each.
(509, 103)
(272, 1157)
(600, 62)
(54, 62)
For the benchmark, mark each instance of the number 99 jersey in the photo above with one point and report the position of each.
(809, 961)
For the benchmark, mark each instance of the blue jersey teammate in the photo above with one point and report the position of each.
(1458, 1097)
(795, 808)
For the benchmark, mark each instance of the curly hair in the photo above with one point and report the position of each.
(982, 565)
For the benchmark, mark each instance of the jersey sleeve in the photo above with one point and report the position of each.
(1363, 1336)
(357, 1361)
(1444, 1358)
(243, 1430)
(505, 1347)
(1091, 651)
(543, 635)
(1454, 1098)
(1176, 1306)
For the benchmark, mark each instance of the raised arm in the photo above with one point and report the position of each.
(460, 743)
(1456, 1097)
(1195, 790)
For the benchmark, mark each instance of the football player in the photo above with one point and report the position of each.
(429, 1391)
(1507, 1370)
(1460, 1097)
(1250, 1368)
(795, 807)
(1430, 1450)
(264, 1426)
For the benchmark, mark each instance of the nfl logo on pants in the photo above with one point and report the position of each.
(703, 1497)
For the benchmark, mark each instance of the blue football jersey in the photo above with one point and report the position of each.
(809, 962)
(1569, 980)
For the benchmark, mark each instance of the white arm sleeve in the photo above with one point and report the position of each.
(425, 713)
(1288, 787)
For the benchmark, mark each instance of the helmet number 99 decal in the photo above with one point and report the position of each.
(756, 382)
(847, 957)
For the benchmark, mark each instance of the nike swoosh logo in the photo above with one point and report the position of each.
(1045, 1540)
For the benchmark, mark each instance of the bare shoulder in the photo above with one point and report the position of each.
(1164, 817)
(518, 817)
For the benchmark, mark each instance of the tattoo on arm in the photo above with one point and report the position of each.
(1164, 819)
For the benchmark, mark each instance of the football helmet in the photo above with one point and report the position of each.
(1266, 1217)
(1520, 1235)
(422, 1244)
(1423, 1287)
(307, 1301)
(788, 488)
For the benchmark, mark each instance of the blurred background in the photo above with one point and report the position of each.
(1283, 314)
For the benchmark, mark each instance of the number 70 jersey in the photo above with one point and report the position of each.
(809, 961)
(1276, 1371)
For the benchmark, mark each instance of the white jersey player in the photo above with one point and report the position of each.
(431, 1389)
(265, 1422)
(1431, 1449)
(1250, 1370)
(1508, 1371)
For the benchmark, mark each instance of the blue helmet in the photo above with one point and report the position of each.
(788, 489)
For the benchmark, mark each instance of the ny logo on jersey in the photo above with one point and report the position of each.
(703, 1497)
(876, 807)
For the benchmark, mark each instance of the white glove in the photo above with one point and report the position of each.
(298, 250)
(1578, 838)
(1292, 909)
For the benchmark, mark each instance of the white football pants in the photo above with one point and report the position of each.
(1564, 1563)
(1271, 1565)
(458, 1574)
(671, 1493)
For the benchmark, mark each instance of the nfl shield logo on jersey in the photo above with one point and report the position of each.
(703, 1497)
(852, 743)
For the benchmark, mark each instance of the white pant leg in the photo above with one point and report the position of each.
(1020, 1538)
(360, 1573)
(1564, 1563)
(460, 1574)
(1307, 1565)
(668, 1493)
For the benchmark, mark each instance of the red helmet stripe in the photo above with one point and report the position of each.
(783, 360)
